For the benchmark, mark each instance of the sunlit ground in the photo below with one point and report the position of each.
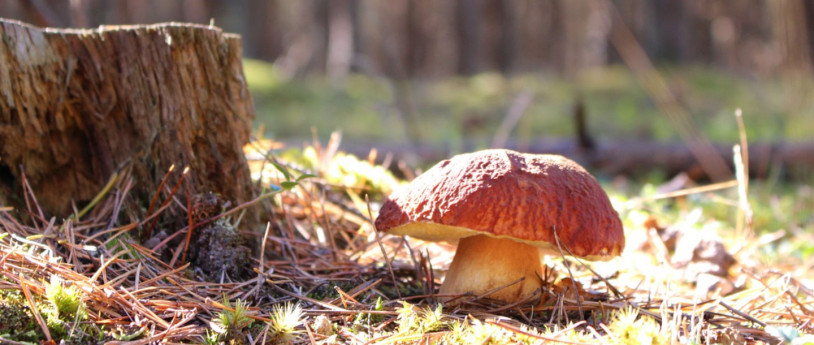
(697, 251)
(696, 268)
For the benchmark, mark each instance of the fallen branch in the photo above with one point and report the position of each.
(788, 159)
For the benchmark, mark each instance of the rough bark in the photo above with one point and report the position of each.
(78, 105)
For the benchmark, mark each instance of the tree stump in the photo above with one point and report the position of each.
(77, 105)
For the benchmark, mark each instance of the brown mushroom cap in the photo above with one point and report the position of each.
(507, 194)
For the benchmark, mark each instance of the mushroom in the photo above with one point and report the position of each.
(504, 206)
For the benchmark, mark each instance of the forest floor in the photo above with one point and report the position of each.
(704, 263)
(727, 263)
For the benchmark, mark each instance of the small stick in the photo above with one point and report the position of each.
(149, 232)
(34, 310)
(431, 274)
(744, 145)
(535, 297)
(381, 246)
(147, 312)
(169, 198)
(317, 302)
(11, 342)
(569, 328)
(102, 193)
(742, 173)
(138, 277)
(328, 227)
(793, 317)
(571, 275)
(797, 301)
(493, 290)
(190, 226)
(360, 289)
(695, 190)
(29, 193)
(104, 265)
(742, 314)
(524, 316)
(311, 339)
(262, 260)
(418, 268)
(515, 112)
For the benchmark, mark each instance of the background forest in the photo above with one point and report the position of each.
(444, 72)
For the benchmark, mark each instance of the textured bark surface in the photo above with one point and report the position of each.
(78, 105)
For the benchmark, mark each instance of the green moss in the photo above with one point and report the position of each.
(230, 324)
(65, 310)
(62, 310)
(16, 321)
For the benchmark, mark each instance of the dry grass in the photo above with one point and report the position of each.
(321, 256)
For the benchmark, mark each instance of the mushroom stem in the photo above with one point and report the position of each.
(483, 263)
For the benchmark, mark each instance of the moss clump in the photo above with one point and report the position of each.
(628, 328)
(65, 311)
(283, 323)
(230, 325)
(16, 321)
(218, 249)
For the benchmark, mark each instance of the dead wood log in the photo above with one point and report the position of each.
(794, 160)
(78, 105)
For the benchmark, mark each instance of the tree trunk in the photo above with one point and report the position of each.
(468, 35)
(78, 105)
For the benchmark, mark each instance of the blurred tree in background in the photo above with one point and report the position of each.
(423, 38)
(434, 78)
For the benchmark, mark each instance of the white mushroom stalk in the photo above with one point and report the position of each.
(506, 269)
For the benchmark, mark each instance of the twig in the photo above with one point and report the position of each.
(149, 231)
(496, 289)
(110, 183)
(384, 253)
(693, 190)
(513, 115)
(11, 342)
(533, 298)
(261, 260)
(742, 314)
(190, 227)
(741, 161)
(29, 193)
(361, 288)
(797, 301)
(744, 144)
(34, 310)
(573, 281)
